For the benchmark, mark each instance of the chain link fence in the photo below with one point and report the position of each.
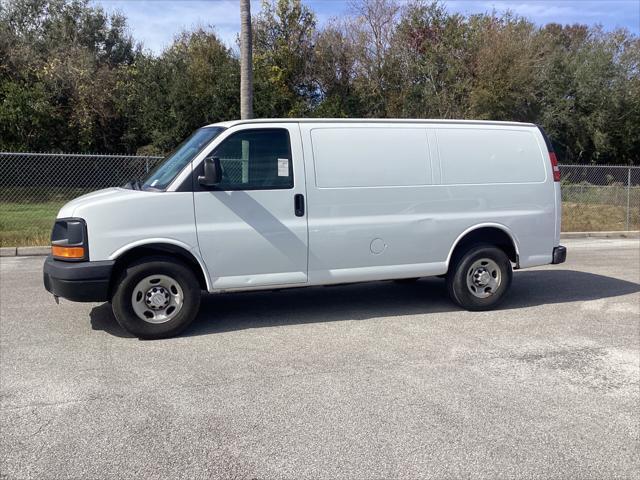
(600, 198)
(33, 187)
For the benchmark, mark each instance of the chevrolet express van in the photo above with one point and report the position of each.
(271, 204)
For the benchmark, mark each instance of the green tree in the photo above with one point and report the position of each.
(436, 52)
(60, 66)
(590, 102)
(335, 64)
(284, 33)
(377, 71)
(192, 83)
(507, 65)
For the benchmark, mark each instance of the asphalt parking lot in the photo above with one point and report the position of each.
(380, 380)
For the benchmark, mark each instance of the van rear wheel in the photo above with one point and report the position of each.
(480, 278)
(156, 298)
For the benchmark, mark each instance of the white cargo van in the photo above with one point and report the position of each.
(266, 204)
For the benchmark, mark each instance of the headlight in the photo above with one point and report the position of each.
(69, 239)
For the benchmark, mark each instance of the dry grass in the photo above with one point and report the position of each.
(581, 217)
(26, 224)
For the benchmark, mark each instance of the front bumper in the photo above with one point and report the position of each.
(78, 281)
(559, 254)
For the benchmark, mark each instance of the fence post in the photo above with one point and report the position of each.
(628, 198)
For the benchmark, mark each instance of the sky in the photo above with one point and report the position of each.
(154, 23)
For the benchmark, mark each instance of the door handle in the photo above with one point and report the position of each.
(298, 204)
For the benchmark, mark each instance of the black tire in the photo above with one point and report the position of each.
(122, 301)
(479, 256)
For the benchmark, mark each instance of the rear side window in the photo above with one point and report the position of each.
(257, 159)
(370, 157)
(473, 156)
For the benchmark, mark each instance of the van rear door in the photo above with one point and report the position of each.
(252, 226)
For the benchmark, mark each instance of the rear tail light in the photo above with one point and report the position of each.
(554, 166)
(552, 155)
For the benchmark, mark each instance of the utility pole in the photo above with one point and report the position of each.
(246, 64)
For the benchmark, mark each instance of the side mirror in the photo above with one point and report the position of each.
(212, 172)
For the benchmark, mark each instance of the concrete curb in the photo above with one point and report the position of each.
(26, 251)
(625, 234)
(41, 251)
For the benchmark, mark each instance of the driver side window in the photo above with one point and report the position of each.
(256, 159)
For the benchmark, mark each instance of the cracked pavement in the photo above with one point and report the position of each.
(378, 380)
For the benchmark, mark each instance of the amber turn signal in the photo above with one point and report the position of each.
(60, 251)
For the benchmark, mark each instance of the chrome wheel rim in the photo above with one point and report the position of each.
(484, 278)
(157, 299)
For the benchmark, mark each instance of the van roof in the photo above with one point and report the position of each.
(232, 123)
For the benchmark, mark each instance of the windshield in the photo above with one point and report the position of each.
(163, 174)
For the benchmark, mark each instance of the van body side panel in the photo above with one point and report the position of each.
(503, 175)
(482, 156)
(528, 217)
(371, 234)
(367, 215)
(370, 157)
(383, 230)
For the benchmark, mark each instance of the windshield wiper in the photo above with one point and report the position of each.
(133, 184)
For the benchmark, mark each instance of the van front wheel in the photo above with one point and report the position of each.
(156, 298)
(480, 278)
